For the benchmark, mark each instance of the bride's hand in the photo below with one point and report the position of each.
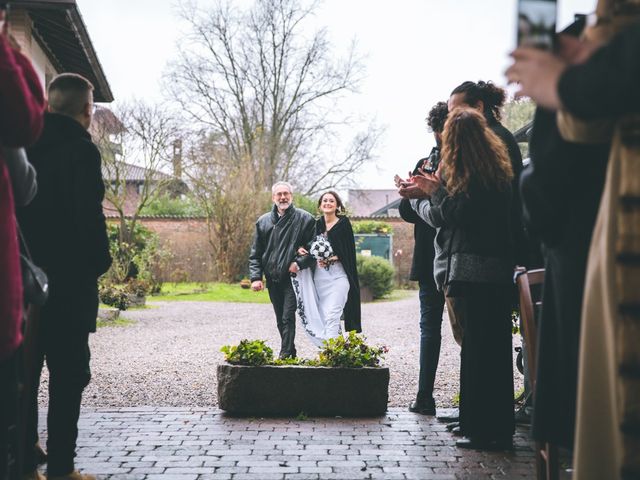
(302, 251)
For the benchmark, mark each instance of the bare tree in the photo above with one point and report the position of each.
(136, 141)
(226, 191)
(269, 88)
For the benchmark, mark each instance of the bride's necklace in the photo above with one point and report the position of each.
(330, 225)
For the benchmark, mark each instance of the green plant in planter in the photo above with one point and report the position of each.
(350, 352)
(248, 352)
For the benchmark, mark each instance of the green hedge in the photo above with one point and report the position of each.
(375, 273)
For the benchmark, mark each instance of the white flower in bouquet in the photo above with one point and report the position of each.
(321, 249)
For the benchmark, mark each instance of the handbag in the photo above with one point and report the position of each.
(35, 284)
(453, 288)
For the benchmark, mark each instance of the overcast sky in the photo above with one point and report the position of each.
(416, 52)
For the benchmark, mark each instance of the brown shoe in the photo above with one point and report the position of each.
(75, 475)
(35, 475)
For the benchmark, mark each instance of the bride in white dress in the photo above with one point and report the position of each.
(328, 288)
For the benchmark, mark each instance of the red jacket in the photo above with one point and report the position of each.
(21, 113)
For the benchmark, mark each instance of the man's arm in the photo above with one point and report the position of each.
(23, 176)
(606, 84)
(255, 257)
(88, 193)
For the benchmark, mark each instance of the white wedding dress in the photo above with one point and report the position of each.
(321, 295)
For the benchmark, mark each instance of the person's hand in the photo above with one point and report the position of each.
(427, 182)
(575, 50)
(538, 73)
(302, 251)
(294, 268)
(257, 285)
(411, 190)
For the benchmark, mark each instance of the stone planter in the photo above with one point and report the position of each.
(108, 314)
(291, 390)
(137, 300)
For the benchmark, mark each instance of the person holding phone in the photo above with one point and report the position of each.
(431, 299)
(595, 81)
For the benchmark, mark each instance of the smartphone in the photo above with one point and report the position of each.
(537, 23)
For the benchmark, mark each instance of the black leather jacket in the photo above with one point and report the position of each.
(276, 242)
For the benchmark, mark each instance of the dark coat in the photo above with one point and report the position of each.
(479, 242)
(344, 246)
(520, 241)
(276, 241)
(423, 236)
(64, 225)
(561, 193)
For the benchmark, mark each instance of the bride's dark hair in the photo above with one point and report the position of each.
(340, 210)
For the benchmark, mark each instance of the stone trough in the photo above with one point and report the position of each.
(294, 390)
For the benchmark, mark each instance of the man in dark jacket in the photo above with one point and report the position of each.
(431, 300)
(278, 236)
(66, 232)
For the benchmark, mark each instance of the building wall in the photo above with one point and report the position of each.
(21, 30)
(187, 240)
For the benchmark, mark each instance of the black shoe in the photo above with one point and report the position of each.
(427, 407)
(490, 445)
(452, 425)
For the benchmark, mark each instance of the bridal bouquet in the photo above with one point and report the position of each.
(321, 250)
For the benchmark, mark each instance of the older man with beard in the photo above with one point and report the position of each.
(278, 235)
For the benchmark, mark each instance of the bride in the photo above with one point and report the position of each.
(327, 285)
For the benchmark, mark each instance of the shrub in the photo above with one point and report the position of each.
(375, 273)
(173, 206)
(372, 226)
(248, 352)
(350, 352)
(116, 296)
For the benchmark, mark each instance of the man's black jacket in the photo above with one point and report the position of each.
(64, 225)
(276, 241)
(423, 236)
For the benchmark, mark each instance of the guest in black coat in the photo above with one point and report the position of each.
(474, 210)
(66, 232)
(561, 191)
(431, 299)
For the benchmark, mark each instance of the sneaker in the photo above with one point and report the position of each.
(75, 475)
(35, 475)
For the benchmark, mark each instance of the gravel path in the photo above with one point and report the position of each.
(168, 355)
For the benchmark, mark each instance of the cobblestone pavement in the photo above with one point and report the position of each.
(201, 443)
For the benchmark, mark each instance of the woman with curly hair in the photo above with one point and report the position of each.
(472, 212)
(488, 99)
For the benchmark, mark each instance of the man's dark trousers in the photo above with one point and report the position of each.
(431, 310)
(283, 300)
(66, 350)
